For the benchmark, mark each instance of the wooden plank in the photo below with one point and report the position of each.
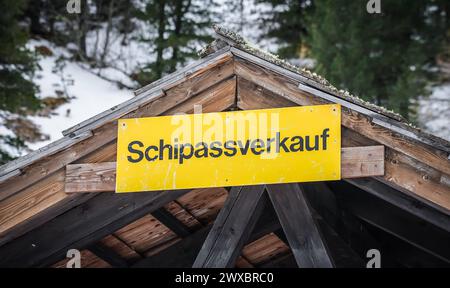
(362, 162)
(151, 92)
(108, 255)
(183, 253)
(32, 207)
(405, 174)
(231, 228)
(93, 177)
(168, 220)
(195, 85)
(100, 177)
(381, 116)
(358, 121)
(264, 248)
(81, 226)
(394, 221)
(180, 255)
(145, 234)
(120, 247)
(403, 201)
(296, 219)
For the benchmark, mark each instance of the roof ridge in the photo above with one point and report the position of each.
(237, 40)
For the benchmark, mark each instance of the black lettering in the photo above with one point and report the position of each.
(163, 147)
(308, 144)
(257, 144)
(147, 152)
(138, 152)
(269, 142)
(324, 137)
(204, 150)
(233, 150)
(281, 144)
(245, 148)
(297, 144)
(184, 156)
(215, 146)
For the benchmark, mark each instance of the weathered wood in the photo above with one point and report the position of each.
(232, 227)
(196, 85)
(94, 177)
(100, 177)
(402, 172)
(362, 161)
(183, 253)
(381, 117)
(353, 119)
(171, 222)
(298, 224)
(108, 255)
(180, 255)
(147, 93)
(403, 201)
(19, 211)
(395, 221)
(81, 226)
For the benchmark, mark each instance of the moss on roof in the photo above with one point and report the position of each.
(241, 43)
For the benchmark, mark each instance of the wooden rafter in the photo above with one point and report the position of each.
(22, 216)
(410, 167)
(232, 227)
(295, 217)
(184, 252)
(171, 222)
(394, 221)
(81, 227)
(108, 255)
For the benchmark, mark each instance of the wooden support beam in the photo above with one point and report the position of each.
(81, 227)
(298, 225)
(347, 226)
(101, 177)
(183, 253)
(108, 255)
(410, 167)
(403, 201)
(394, 221)
(231, 228)
(171, 222)
(38, 194)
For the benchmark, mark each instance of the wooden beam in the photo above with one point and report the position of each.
(183, 253)
(108, 255)
(257, 67)
(102, 129)
(231, 228)
(44, 196)
(365, 161)
(82, 226)
(171, 222)
(403, 201)
(394, 221)
(298, 224)
(100, 177)
(409, 167)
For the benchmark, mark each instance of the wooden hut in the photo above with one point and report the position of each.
(403, 213)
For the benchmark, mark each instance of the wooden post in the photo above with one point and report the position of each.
(231, 228)
(302, 233)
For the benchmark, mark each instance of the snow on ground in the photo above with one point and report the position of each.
(434, 112)
(91, 94)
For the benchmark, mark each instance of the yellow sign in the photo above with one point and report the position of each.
(282, 145)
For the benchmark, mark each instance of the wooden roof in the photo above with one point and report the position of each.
(39, 221)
